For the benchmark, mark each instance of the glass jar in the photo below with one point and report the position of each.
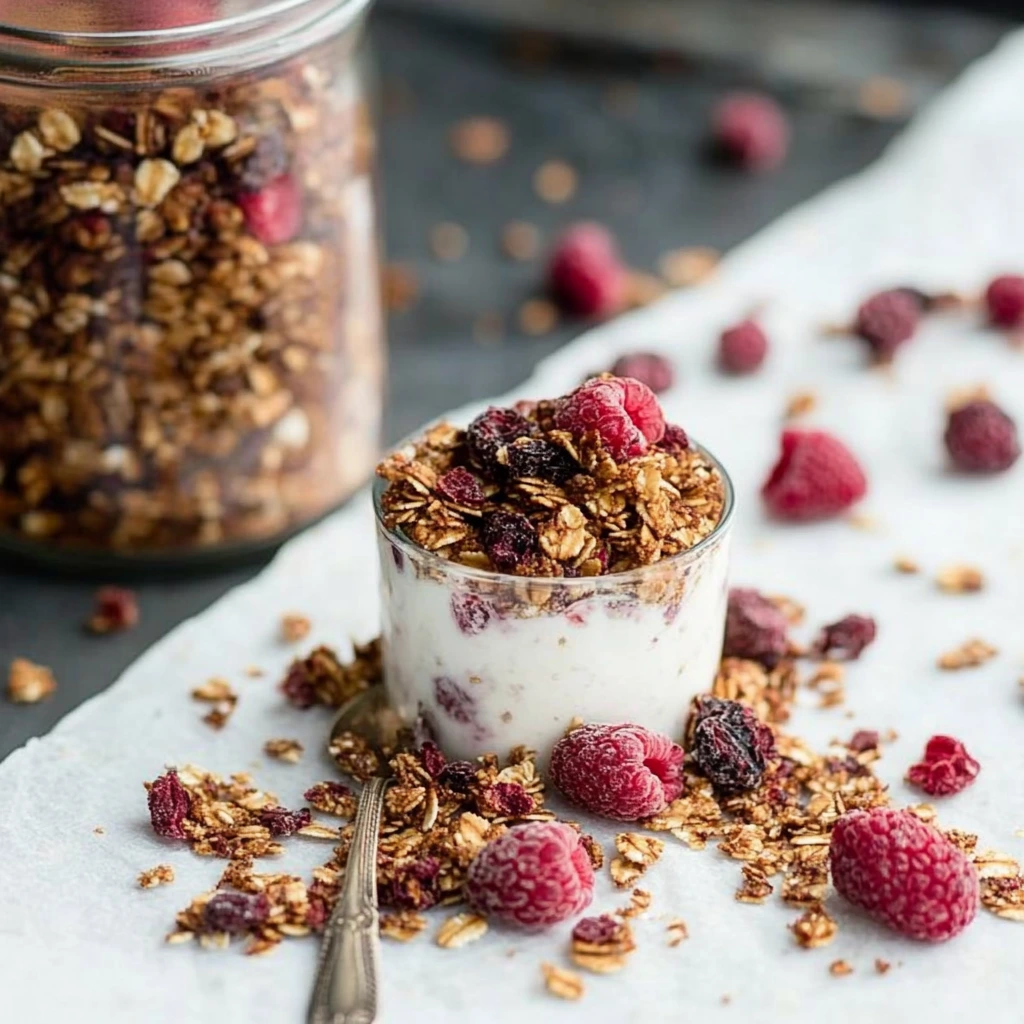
(191, 338)
(487, 661)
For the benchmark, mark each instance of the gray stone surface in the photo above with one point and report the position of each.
(641, 172)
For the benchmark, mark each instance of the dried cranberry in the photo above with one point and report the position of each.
(730, 746)
(675, 440)
(235, 912)
(283, 822)
(413, 887)
(472, 613)
(754, 628)
(490, 432)
(459, 486)
(597, 930)
(316, 913)
(848, 637)
(458, 776)
(541, 460)
(274, 214)
(510, 540)
(456, 702)
(433, 760)
(169, 805)
(509, 799)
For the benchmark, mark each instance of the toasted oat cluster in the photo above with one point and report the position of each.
(518, 495)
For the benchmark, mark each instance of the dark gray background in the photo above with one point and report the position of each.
(642, 171)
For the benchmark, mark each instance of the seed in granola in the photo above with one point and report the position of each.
(729, 745)
(169, 805)
(162, 874)
(235, 912)
(286, 750)
(115, 609)
(294, 627)
(960, 579)
(562, 983)
(480, 140)
(848, 637)
(282, 822)
(28, 682)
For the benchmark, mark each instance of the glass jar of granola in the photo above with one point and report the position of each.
(191, 343)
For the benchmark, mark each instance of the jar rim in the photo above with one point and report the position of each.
(279, 28)
(450, 568)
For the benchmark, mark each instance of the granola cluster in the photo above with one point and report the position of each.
(189, 335)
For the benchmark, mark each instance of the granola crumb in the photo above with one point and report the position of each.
(969, 654)
(218, 692)
(555, 181)
(800, 404)
(864, 521)
(882, 966)
(294, 627)
(639, 903)
(289, 751)
(162, 874)
(602, 944)
(906, 566)
(562, 983)
(402, 926)
(677, 932)
(840, 968)
(960, 579)
(537, 317)
(684, 268)
(99, 830)
(461, 930)
(814, 928)
(29, 683)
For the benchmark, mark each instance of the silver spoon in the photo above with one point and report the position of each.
(348, 968)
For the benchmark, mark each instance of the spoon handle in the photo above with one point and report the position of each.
(345, 991)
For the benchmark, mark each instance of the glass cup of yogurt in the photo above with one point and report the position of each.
(487, 660)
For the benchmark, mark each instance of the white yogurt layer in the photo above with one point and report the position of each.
(504, 680)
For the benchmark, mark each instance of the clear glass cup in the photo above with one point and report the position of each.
(191, 336)
(488, 661)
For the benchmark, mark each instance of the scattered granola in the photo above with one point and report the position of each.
(290, 751)
(520, 241)
(480, 140)
(402, 925)
(28, 683)
(814, 928)
(537, 317)
(684, 268)
(562, 983)
(905, 565)
(960, 579)
(162, 874)
(294, 627)
(800, 403)
(882, 966)
(840, 968)
(1004, 896)
(115, 609)
(448, 241)
(461, 930)
(331, 798)
(217, 692)
(970, 654)
(602, 944)
(321, 678)
(677, 932)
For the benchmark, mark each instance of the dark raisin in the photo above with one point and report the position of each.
(541, 460)
(729, 745)
(510, 540)
(489, 433)
(846, 638)
(235, 912)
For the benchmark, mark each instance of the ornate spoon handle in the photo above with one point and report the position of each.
(345, 991)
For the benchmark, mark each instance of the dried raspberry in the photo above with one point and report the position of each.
(674, 440)
(274, 213)
(490, 432)
(458, 776)
(863, 740)
(459, 486)
(597, 930)
(887, 320)
(624, 772)
(754, 628)
(847, 638)
(585, 274)
(471, 612)
(169, 805)
(235, 912)
(945, 769)
(816, 476)
(743, 348)
(115, 609)
(1004, 298)
(903, 873)
(533, 875)
(649, 368)
(283, 822)
(414, 886)
(981, 438)
(729, 745)
(456, 702)
(433, 760)
(541, 460)
(510, 540)
(624, 412)
(328, 792)
(298, 686)
(751, 130)
(509, 799)
(316, 913)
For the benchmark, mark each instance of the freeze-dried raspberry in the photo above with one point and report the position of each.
(542, 460)
(458, 775)
(981, 438)
(509, 799)
(283, 822)
(887, 320)
(816, 476)
(414, 886)
(274, 213)
(458, 485)
(585, 274)
(846, 638)
(533, 875)
(624, 772)
(471, 612)
(235, 912)
(650, 368)
(452, 699)
(510, 540)
(751, 130)
(624, 412)
(316, 913)
(729, 745)
(1004, 299)
(675, 440)
(755, 628)
(903, 873)
(169, 805)
(743, 348)
(115, 609)
(490, 432)
(597, 930)
(945, 769)
(433, 760)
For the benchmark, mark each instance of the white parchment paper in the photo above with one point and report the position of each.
(944, 208)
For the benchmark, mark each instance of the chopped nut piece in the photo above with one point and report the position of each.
(840, 968)
(683, 268)
(555, 181)
(520, 241)
(461, 930)
(969, 654)
(538, 316)
(28, 683)
(402, 926)
(294, 627)
(814, 928)
(562, 983)
(907, 566)
(677, 931)
(800, 404)
(480, 140)
(284, 750)
(162, 874)
(960, 579)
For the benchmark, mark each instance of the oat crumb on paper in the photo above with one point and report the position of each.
(639, 903)
(800, 403)
(603, 949)
(814, 928)
(840, 968)
(29, 683)
(960, 579)
(882, 966)
(294, 627)
(677, 932)
(289, 751)
(906, 566)
(402, 925)
(162, 874)
(219, 693)
(970, 654)
(562, 983)
(461, 930)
